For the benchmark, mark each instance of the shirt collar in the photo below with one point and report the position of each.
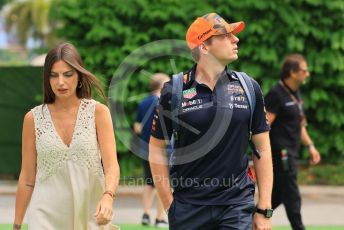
(191, 74)
(288, 88)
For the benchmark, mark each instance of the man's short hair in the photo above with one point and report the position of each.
(196, 53)
(291, 64)
(157, 80)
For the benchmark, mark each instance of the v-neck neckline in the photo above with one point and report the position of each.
(75, 126)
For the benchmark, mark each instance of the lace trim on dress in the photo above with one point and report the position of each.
(52, 153)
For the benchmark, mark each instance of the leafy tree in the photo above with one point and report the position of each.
(31, 18)
(3, 2)
(106, 32)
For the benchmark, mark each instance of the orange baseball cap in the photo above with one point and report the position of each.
(208, 25)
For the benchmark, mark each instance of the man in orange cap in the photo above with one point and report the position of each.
(212, 187)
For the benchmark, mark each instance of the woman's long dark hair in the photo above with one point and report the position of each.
(68, 53)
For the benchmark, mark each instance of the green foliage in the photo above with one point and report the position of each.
(11, 58)
(31, 19)
(3, 2)
(20, 90)
(106, 32)
(327, 174)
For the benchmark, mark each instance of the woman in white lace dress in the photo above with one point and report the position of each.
(64, 142)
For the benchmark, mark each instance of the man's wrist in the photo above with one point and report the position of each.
(263, 206)
(267, 213)
(263, 203)
(309, 146)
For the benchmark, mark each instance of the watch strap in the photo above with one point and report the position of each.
(266, 212)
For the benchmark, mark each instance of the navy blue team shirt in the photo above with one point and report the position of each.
(210, 161)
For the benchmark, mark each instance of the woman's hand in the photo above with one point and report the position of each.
(104, 210)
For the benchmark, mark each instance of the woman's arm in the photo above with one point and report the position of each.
(27, 176)
(107, 145)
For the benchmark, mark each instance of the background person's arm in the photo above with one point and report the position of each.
(27, 176)
(137, 128)
(140, 114)
(271, 117)
(160, 171)
(315, 157)
(264, 175)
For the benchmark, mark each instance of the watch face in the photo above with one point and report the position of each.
(269, 213)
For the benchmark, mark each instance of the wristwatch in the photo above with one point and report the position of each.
(266, 212)
(309, 146)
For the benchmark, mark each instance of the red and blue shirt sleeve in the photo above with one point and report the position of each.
(162, 123)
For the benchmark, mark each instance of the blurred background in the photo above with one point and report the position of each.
(106, 32)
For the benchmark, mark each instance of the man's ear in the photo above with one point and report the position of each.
(203, 48)
(292, 73)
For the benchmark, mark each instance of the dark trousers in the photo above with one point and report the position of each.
(285, 191)
(183, 216)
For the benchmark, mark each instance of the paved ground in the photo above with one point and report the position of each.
(322, 205)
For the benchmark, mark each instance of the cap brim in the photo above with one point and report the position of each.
(237, 27)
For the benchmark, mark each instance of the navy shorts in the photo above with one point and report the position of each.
(183, 216)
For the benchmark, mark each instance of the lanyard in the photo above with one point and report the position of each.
(297, 101)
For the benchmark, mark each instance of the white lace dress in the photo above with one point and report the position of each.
(69, 179)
